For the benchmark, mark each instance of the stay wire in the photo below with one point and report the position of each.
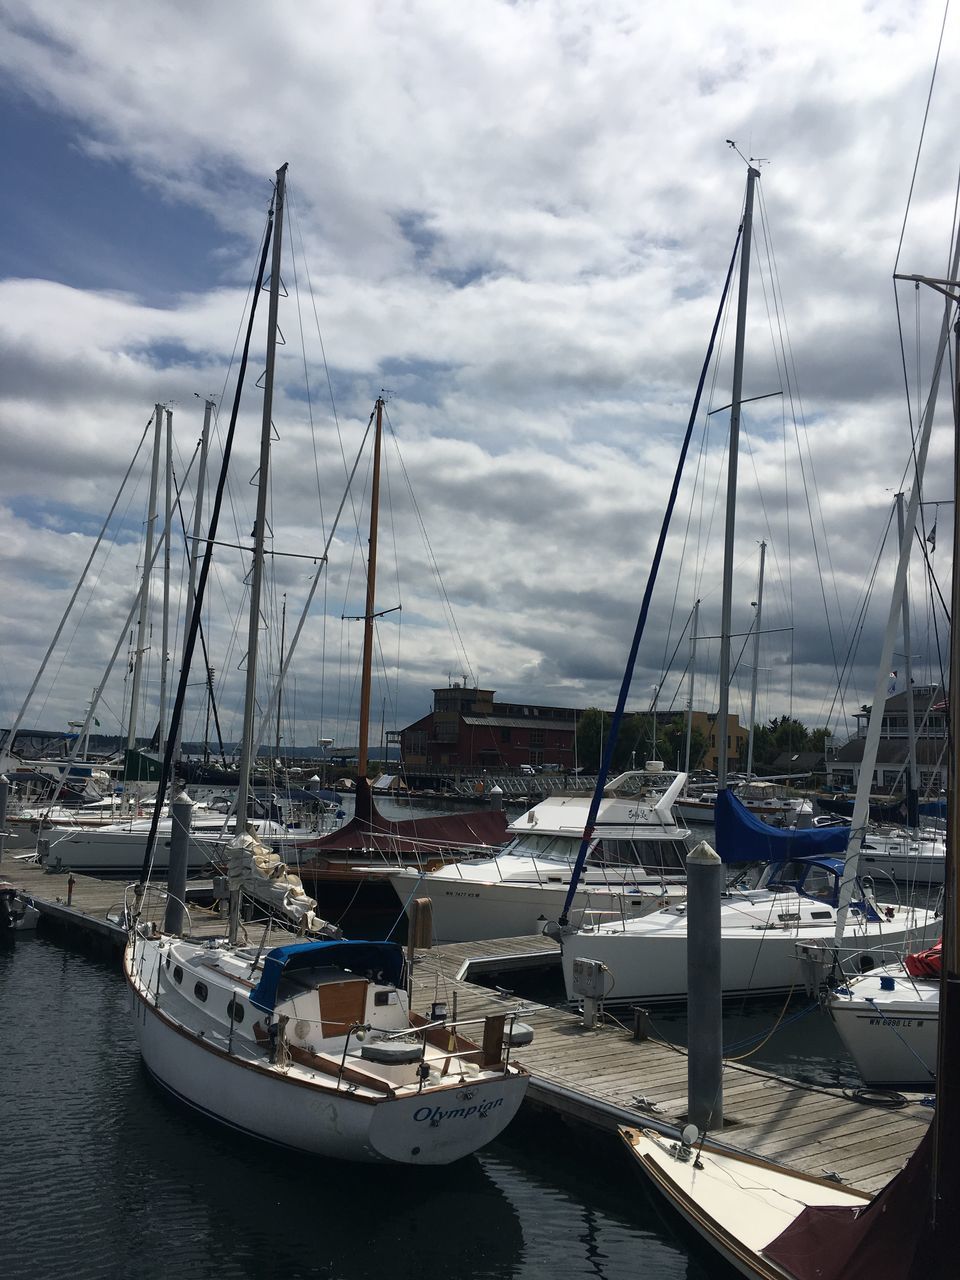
(645, 604)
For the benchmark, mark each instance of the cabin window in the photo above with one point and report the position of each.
(177, 973)
(200, 991)
(235, 1011)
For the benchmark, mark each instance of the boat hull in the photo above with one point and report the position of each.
(755, 962)
(892, 1041)
(737, 1203)
(471, 910)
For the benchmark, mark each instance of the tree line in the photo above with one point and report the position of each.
(641, 739)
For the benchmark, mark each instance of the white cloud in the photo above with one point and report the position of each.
(517, 218)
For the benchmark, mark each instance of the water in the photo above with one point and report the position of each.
(103, 1176)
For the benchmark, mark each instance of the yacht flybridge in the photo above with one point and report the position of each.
(635, 862)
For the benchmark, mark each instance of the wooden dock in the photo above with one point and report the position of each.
(602, 1077)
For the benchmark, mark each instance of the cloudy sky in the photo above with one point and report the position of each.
(516, 219)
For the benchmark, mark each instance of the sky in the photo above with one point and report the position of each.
(514, 220)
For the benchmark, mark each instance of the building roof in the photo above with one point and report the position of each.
(520, 722)
(930, 751)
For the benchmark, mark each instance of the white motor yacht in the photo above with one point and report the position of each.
(636, 859)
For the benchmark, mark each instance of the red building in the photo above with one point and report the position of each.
(468, 730)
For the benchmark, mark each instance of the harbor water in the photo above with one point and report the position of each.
(103, 1175)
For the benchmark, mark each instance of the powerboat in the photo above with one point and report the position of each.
(636, 862)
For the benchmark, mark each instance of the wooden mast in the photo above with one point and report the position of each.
(364, 808)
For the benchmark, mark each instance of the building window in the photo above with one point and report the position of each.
(504, 735)
(537, 737)
(536, 757)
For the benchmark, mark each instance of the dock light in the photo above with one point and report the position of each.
(438, 1011)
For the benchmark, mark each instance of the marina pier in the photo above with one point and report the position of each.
(601, 1078)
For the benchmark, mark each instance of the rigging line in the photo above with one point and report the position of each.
(645, 604)
(303, 351)
(931, 576)
(91, 595)
(860, 621)
(696, 492)
(789, 360)
(923, 129)
(326, 369)
(203, 642)
(191, 636)
(5, 744)
(435, 568)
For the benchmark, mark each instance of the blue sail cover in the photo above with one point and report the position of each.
(384, 958)
(742, 837)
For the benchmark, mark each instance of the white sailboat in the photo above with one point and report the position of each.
(635, 864)
(888, 1020)
(776, 1224)
(312, 1046)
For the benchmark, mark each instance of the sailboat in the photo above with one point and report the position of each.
(777, 1224)
(311, 1045)
(803, 900)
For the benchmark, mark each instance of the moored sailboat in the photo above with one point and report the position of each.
(313, 1045)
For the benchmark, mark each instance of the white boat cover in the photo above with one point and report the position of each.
(260, 873)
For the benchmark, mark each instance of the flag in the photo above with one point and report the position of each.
(892, 684)
(932, 537)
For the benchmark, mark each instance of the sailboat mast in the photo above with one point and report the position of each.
(165, 625)
(141, 640)
(260, 527)
(366, 671)
(726, 607)
(194, 554)
(945, 1187)
(693, 664)
(283, 641)
(756, 659)
(913, 817)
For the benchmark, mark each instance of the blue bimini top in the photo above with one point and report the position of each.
(380, 961)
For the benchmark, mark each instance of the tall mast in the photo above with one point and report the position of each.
(283, 641)
(756, 659)
(366, 671)
(913, 800)
(726, 608)
(194, 554)
(165, 625)
(141, 640)
(259, 532)
(693, 663)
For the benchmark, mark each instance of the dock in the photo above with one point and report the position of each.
(601, 1078)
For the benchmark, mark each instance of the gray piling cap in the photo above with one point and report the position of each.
(704, 854)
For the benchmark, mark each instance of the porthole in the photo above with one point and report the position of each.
(200, 991)
(177, 973)
(167, 961)
(235, 1011)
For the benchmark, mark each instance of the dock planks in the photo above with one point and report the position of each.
(601, 1077)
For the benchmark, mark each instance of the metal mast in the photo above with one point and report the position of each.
(141, 641)
(756, 659)
(369, 613)
(726, 608)
(259, 534)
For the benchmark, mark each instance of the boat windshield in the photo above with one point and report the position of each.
(551, 847)
(654, 856)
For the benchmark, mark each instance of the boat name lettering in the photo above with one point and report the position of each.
(896, 1022)
(436, 1114)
